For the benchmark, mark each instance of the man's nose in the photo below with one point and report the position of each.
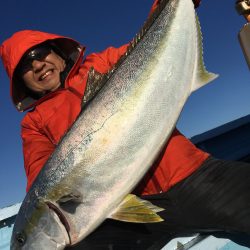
(38, 65)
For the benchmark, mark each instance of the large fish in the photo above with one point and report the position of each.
(117, 136)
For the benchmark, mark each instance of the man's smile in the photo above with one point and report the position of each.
(46, 74)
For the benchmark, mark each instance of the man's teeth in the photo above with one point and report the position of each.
(46, 74)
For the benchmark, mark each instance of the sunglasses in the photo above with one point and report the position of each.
(38, 53)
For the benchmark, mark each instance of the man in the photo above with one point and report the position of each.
(48, 78)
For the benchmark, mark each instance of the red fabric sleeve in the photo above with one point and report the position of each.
(104, 60)
(36, 149)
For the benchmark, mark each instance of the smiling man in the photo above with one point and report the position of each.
(40, 69)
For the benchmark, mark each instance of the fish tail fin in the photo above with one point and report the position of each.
(134, 209)
(202, 76)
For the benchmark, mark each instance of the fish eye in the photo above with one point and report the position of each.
(21, 239)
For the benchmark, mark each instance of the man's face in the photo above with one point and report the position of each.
(41, 72)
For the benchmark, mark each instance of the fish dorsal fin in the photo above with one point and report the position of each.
(138, 37)
(97, 79)
(147, 24)
(134, 209)
(202, 76)
(94, 83)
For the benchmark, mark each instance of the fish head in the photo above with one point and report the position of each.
(38, 226)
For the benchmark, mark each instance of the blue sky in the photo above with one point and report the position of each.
(99, 24)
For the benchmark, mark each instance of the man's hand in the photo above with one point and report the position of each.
(243, 8)
(196, 3)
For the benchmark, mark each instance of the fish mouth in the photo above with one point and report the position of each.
(61, 217)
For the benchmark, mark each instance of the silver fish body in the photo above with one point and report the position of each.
(117, 137)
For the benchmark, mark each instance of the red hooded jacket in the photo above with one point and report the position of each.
(50, 117)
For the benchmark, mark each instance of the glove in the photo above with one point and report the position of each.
(196, 3)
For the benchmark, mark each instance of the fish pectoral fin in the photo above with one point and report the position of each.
(134, 209)
(202, 76)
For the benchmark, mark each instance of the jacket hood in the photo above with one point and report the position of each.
(14, 48)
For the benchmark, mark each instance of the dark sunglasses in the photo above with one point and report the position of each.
(38, 53)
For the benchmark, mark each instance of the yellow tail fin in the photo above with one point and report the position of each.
(134, 209)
